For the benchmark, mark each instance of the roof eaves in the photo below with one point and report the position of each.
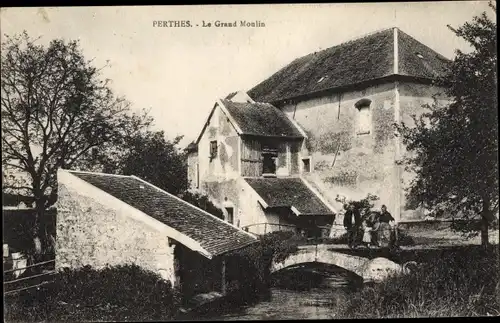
(350, 87)
(295, 211)
(271, 136)
(238, 247)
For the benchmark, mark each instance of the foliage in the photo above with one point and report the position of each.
(453, 149)
(458, 283)
(203, 203)
(258, 257)
(364, 205)
(161, 162)
(151, 157)
(57, 112)
(122, 293)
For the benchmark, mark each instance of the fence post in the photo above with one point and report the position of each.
(265, 227)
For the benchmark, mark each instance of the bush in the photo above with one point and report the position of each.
(257, 258)
(203, 202)
(122, 293)
(456, 284)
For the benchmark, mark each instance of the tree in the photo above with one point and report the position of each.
(153, 158)
(161, 162)
(453, 148)
(203, 202)
(365, 205)
(57, 111)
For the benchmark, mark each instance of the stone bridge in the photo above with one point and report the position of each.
(376, 269)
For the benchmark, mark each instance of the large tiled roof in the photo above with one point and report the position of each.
(214, 235)
(418, 60)
(289, 192)
(364, 59)
(261, 119)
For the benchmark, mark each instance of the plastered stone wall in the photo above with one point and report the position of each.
(225, 166)
(252, 211)
(364, 163)
(220, 177)
(224, 194)
(90, 233)
(239, 195)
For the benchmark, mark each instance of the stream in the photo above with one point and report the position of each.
(309, 291)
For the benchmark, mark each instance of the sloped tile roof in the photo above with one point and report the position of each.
(430, 65)
(288, 192)
(261, 119)
(356, 61)
(214, 235)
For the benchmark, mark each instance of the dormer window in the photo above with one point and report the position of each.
(364, 120)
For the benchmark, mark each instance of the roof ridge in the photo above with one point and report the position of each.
(191, 205)
(350, 40)
(95, 173)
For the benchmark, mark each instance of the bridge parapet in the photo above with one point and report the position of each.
(376, 269)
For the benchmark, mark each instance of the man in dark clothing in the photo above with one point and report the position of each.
(352, 228)
(386, 217)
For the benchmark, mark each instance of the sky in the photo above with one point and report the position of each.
(179, 73)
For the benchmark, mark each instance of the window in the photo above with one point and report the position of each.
(269, 156)
(306, 165)
(213, 149)
(268, 164)
(230, 214)
(364, 123)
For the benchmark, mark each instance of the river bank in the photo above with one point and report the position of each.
(448, 283)
(461, 281)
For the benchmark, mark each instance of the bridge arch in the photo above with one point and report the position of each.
(369, 269)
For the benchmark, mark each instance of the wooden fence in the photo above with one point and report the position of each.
(33, 276)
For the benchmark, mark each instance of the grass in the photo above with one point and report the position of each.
(459, 283)
(442, 233)
(122, 293)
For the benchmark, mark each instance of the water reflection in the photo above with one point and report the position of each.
(308, 291)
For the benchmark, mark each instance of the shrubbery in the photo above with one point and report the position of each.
(203, 202)
(458, 283)
(122, 293)
(257, 258)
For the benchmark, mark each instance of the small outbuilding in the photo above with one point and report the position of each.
(106, 220)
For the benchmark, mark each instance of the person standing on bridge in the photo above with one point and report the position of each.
(352, 223)
(389, 226)
(372, 228)
(385, 216)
